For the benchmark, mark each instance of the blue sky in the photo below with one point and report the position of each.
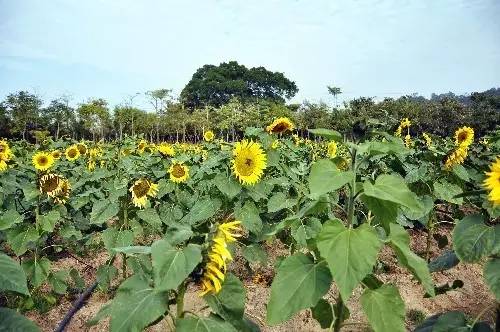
(113, 49)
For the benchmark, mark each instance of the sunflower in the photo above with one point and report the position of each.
(5, 151)
(72, 153)
(218, 256)
(142, 146)
(43, 161)
(56, 154)
(55, 186)
(428, 140)
(332, 149)
(166, 149)
(249, 162)
(208, 136)
(95, 152)
(457, 157)
(91, 165)
(405, 123)
(492, 182)
(280, 125)
(275, 144)
(178, 172)
(3, 165)
(82, 148)
(140, 190)
(63, 195)
(464, 136)
(408, 141)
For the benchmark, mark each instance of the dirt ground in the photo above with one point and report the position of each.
(471, 299)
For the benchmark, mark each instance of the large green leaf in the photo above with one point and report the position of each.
(392, 188)
(12, 276)
(103, 210)
(472, 239)
(249, 216)
(350, 253)
(12, 321)
(9, 218)
(199, 324)
(136, 305)
(19, 238)
(492, 276)
(446, 191)
(327, 133)
(114, 238)
(325, 177)
(229, 303)
(202, 209)
(299, 284)
(279, 201)
(227, 185)
(384, 309)
(400, 242)
(172, 265)
(385, 212)
(37, 270)
(324, 313)
(150, 216)
(49, 220)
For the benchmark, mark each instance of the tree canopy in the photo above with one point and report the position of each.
(216, 85)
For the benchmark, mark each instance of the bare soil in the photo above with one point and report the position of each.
(472, 299)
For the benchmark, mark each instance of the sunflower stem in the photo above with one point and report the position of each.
(180, 300)
(352, 191)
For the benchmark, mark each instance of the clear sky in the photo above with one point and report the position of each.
(113, 49)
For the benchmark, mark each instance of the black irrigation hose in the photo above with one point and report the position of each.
(76, 306)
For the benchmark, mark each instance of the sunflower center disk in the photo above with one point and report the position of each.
(245, 165)
(141, 189)
(178, 171)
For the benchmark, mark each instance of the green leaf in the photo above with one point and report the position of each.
(227, 185)
(12, 321)
(384, 309)
(393, 189)
(447, 260)
(305, 229)
(385, 212)
(114, 238)
(229, 303)
(350, 253)
(9, 218)
(37, 270)
(323, 312)
(133, 250)
(172, 265)
(178, 234)
(105, 274)
(453, 321)
(203, 209)
(150, 216)
(325, 178)
(255, 253)
(136, 305)
(400, 242)
(12, 276)
(492, 276)
(472, 239)
(19, 238)
(58, 281)
(199, 324)
(279, 201)
(461, 172)
(49, 220)
(446, 191)
(102, 211)
(249, 216)
(332, 135)
(299, 284)
(165, 187)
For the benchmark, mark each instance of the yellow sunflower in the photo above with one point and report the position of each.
(142, 145)
(332, 149)
(457, 157)
(140, 190)
(43, 161)
(3, 165)
(91, 165)
(72, 153)
(492, 182)
(82, 148)
(208, 136)
(408, 142)
(428, 140)
(218, 256)
(56, 154)
(166, 149)
(55, 186)
(280, 125)
(178, 172)
(95, 152)
(249, 162)
(464, 136)
(405, 123)
(63, 195)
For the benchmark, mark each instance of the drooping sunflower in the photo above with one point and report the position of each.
(55, 186)
(492, 182)
(3, 165)
(408, 142)
(249, 162)
(56, 154)
(63, 195)
(95, 152)
(464, 136)
(141, 146)
(72, 153)
(140, 190)
(456, 157)
(218, 256)
(91, 165)
(178, 172)
(208, 136)
(166, 149)
(5, 151)
(428, 140)
(405, 123)
(82, 148)
(43, 160)
(280, 125)
(332, 149)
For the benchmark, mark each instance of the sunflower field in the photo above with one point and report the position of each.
(170, 218)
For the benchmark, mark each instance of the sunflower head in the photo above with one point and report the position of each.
(166, 149)
(82, 148)
(249, 162)
(178, 172)
(91, 165)
(141, 146)
(56, 154)
(332, 149)
(63, 195)
(140, 190)
(464, 136)
(408, 142)
(72, 153)
(5, 151)
(43, 161)
(456, 157)
(280, 125)
(95, 152)
(492, 182)
(3, 165)
(428, 140)
(208, 136)
(55, 186)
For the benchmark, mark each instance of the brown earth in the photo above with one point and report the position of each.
(472, 299)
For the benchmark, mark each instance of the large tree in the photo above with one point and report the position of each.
(216, 85)
(23, 109)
